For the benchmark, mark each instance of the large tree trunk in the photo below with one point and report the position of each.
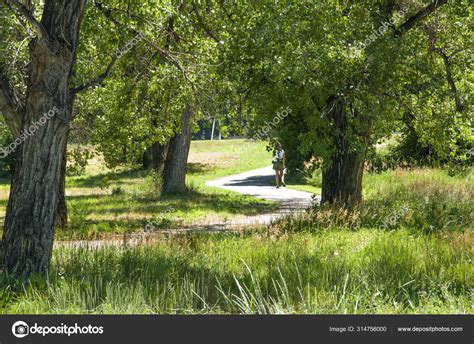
(342, 178)
(61, 213)
(32, 206)
(158, 156)
(155, 156)
(174, 173)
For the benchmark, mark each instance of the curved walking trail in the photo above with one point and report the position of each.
(261, 184)
(258, 183)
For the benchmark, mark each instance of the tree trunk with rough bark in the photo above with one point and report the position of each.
(155, 156)
(61, 213)
(174, 173)
(32, 207)
(158, 156)
(342, 178)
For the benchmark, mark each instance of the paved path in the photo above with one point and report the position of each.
(261, 184)
(258, 183)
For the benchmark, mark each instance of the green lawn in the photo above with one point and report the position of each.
(224, 158)
(103, 203)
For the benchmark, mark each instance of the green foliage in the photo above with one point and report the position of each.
(406, 250)
(168, 66)
(6, 162)
(300, 54)
(78, 156)
(408, 152)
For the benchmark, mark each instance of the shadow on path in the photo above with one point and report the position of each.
(257, 183)
(253, 181)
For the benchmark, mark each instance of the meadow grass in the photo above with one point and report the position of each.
(421, 200)
(324, 261)
(324, 271)
(407, 249)
(104, 202)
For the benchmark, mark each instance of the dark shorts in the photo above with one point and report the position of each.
(278, 166)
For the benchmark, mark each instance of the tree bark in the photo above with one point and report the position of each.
(342, 178)
(155, 156)
(61, 213)
(32, 207)
(10, 105)
(174, 173)
(158, 156)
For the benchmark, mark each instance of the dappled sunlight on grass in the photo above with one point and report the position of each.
(104, 202)
(407, 249)
(130, 212)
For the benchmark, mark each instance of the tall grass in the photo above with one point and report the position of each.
(420, 201)
(325, 261)
(331, 271)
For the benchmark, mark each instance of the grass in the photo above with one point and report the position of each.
(324, 271)
(105, 202)
(408, 249)
(214, 159)
(373, 182)
(421, 200)
(379, 260)
(312, 184)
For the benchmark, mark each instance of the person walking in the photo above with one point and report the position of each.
(279, 165)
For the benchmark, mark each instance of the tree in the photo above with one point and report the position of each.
(174, 170)
(338, 68)
(31, 212)
(38, 109)
(150, 114)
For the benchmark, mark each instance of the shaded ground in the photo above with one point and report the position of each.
(257, 183)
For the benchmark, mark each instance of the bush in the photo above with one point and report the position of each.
(409, 152)
(6, 162)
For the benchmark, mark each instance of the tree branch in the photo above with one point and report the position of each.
(227, 14)
(432, 40)
(98, 80)
(449, 78)
(163, 52)
(420, 15)
(37, 27)
(202, 24)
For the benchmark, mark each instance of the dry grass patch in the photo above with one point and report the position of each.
(213, 159)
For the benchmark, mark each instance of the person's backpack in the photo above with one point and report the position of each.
(278, 156)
